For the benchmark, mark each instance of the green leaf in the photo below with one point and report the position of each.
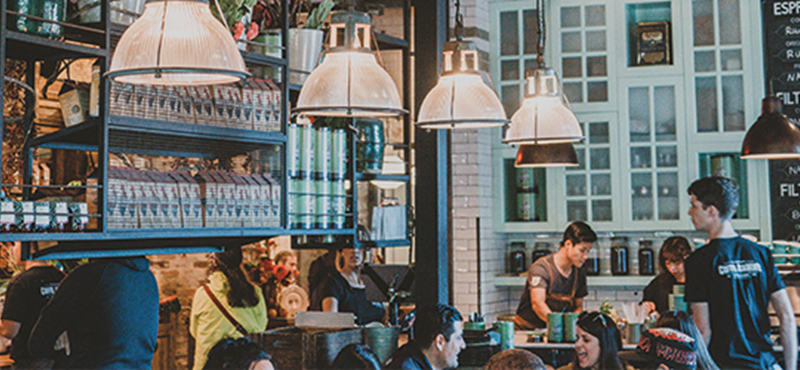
(319, 14)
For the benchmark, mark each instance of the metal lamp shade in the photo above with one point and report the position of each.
(543, 116)
(349, 82)
(546, 155)
(773, 136)
(461, 99)
(177, 42)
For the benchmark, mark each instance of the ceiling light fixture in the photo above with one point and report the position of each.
(177, 42)
(773, 136)
(546, 155)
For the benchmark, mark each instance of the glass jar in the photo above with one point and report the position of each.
(646, 258)
(516, 258)
(593, 263)
(540, 249)
(619, 256)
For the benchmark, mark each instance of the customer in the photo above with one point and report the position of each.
(730, 282)
(597, 345)
(557, 283)
(515, 359)
(356, 357)
(663, 348)
(288, 260)
(228, 306)
(438, 339)
(345, 291)
(26, 295)
(109, 311)
(680, 320)
(670, 261)
(237, 354)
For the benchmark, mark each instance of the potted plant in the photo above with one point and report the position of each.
(305, 44)
(238, 18)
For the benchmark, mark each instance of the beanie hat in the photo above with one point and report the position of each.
(663, 346)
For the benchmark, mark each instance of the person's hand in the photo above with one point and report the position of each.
(649, 306)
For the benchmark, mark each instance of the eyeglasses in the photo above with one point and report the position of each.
(597, 315)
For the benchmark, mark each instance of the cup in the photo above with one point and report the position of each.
(678, 289)
(634, 333)
(474, 325)
(570, 327)
(780, 247)
(555, 327)
(506, 330)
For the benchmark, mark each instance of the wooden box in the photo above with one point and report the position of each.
(306, 348)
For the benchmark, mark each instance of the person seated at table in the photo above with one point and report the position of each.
(438, 339)
(663, 349)
(356, 357)
(557, 283)
(515, 359)
(345, 291)
(670, 262)
(597, 345)
(681, 321)
(238, 354)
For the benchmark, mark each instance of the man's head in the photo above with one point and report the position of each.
(577, 242)
(515, 359)
(286, 259)
(438, 331)
(713, 199)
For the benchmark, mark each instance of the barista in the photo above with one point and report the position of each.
(557, 283)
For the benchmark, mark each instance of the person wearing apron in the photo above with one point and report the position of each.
(557, 283)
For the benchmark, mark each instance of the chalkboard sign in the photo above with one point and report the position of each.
(781, 22)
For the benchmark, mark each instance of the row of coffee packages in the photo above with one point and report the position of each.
(145, 199)
(255, 105)
(43, 216)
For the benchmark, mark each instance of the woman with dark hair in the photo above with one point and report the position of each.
(557, 283)
(597, 345)
(356, 357)
(227, 306)
(680, 320)
(238, 354)
(345, 291)
(670, 261)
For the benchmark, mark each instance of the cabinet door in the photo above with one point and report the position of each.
(581, 46)
(653, 152)
(589, 188)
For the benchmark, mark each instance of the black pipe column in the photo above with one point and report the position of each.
(432, 160)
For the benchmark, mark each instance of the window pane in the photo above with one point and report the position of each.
(664, 113)
(706, 103)
(570, 17)
(573, 91)
(731, 60)
(576, 185)
(640, 157)
(596, 41)
(509, 33)
(531, 32)
(601, 210)
(576, 210)
(510, 96)
(705, 61)
(601, 184)
(530, 64)
(730, 32)
(598, 133)
(733, 103)
(596, 66)
(509, 70)
(668, 205)
(666, 156)
(642, 199)
(595, 15)
(572, 67)
(600, 158)
(570, 42)
(639, 113)
(703, 19)
(598, 91)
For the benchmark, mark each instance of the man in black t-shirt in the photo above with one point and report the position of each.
(730, 282)
(27, 293)
(438, 339)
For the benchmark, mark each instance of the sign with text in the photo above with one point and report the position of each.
(781, 22)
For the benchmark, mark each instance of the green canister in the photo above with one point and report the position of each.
(371, 141)
(293, 146)
(322, 160)
(54, 10)
(307, 150)
(555, 327)
(338, 204)
(338, 155)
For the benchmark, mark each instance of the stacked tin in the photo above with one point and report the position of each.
(338, 172)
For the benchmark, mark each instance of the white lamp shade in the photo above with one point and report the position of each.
(543, 119)
(177, 42)
(461, 100)
(349, 83)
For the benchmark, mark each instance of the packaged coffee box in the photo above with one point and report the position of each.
(78, 216)
(243, 200)
(220, 105)
(255, 199)
(259, 105)
(209, 193)
(275, 201)
(151, 102)
(247, 106)
(173, 109)
(24, 215)
(262, 122)
(265, 192)
(60, 214)
(277, 100)
(42, 216)
(173, 204)
(7, 216)
(191, 189)
(226, 200)
(162, 106)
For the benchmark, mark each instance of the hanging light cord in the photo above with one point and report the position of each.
(540, 47)
(459, 28)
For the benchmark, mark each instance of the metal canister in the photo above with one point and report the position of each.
(526, 206)
(525, 179)
(306, 156)
(338, 204)
(306, 203)
(322, 164)
(293, 148)
(338, 155)
(323, 205)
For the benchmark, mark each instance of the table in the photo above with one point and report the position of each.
(553, 354)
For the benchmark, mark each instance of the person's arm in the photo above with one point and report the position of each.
(783, 307)
(578, 305)
(702, 320)
(330, 304)
(540, 308)
(9, 328)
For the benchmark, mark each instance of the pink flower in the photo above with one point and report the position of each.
(253, 31)
(238, 30)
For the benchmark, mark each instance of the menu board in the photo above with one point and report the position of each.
(781, 22)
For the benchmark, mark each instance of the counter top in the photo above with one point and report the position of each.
(620, 282)
(521, 341)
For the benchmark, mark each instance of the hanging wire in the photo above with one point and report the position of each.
(540, 47)
(459, 28)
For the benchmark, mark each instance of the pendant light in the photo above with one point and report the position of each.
(349, 82)
(177, 42)
(461, 99)
(546, 155)
(773, 136)
(545, 116)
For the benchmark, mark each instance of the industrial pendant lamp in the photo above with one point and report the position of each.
(349, 82)
(773, 136)
(461, 99)
(545, 116)
(177, 42)
(546, 155)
